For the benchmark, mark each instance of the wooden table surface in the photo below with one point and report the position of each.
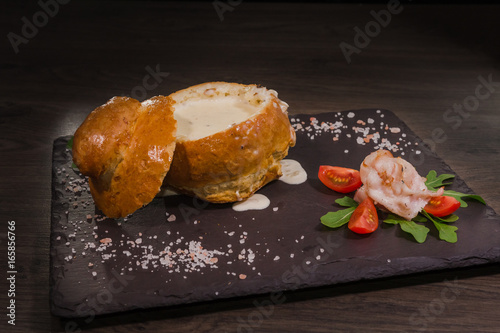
(436, 66)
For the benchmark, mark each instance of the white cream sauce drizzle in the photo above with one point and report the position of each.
(197, 119)
(293, 172)
(255, 202)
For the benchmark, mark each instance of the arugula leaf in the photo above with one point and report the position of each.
(434, 182)
(347, 202)
(338, 218)
(446, 232)
(460, 196)
(419, 218)
(392, 219)
(419, 232)
(69, 144)
(446, 219)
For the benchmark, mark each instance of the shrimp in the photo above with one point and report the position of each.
(393, 184)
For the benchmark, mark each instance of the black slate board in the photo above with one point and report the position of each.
(283, 247)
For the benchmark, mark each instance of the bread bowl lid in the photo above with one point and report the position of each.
(126, 148)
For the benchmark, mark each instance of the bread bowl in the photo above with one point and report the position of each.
(230, 140)
(217, 141)
(126, 147)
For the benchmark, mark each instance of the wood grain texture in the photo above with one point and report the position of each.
(427, 59)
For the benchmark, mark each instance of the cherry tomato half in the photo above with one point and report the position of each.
(364, 219)
(442, 206)
(339, 179)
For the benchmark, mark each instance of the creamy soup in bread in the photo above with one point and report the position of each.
(197, 119)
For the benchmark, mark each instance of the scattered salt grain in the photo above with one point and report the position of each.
(106, 241)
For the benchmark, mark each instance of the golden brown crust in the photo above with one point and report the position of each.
(103, 137)
(231, 165)
(126, 148)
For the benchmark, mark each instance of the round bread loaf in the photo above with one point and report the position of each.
(126, 148)
(230, 140)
